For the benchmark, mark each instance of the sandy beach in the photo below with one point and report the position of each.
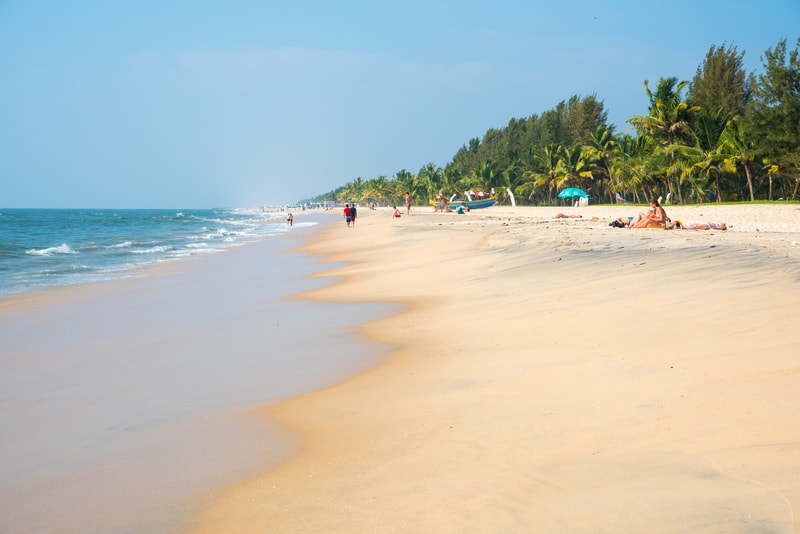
(124, 403)
(550, 375)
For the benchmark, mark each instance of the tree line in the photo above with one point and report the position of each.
(726, 135)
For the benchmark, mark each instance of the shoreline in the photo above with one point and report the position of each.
(531, 387)
(126, 402)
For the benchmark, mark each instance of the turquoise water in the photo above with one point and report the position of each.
(124, 405)
(45, 248)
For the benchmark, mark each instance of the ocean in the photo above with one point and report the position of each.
(138, 349)
(46, 248)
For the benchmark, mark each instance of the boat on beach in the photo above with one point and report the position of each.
(472, 204)
(473, 201)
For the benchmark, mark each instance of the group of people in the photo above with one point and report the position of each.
(656, 217)
(350, 213)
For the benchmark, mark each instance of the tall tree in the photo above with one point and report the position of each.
(548, 167)
(721, 85)
(739, 150)
(633, 166)
(668, 119)
(581, 118)
(600, 150)
(431, 177)
(704, 160)
(405, 182)
(775, 114)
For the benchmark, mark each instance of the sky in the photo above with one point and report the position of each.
(201, 104)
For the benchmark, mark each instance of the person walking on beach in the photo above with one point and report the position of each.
(347, 214)
(353, 213)
(289, 219)
(408, 203)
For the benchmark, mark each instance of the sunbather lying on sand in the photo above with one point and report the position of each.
(698, 226)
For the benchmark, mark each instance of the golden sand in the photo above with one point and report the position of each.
(551, 375)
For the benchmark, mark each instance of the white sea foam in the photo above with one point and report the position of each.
(61, 249)
(153, 250)
(124, 244)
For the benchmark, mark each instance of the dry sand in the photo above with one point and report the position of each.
(551, 375)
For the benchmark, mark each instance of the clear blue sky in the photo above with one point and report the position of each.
(182, 104)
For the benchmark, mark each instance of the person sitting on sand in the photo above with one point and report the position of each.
(396, 213)
(562, 216)
(698, 226)
(655, 217)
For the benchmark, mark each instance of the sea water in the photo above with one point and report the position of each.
(45, 248)
(126, 403)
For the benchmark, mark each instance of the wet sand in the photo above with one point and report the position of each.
(550, 375)
(124, 404)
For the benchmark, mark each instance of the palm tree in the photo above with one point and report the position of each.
(601, 150)
(739, 149)
(704, 158)
(405, 182)
(547, 167)
(430, 177)
(378, 189)
(669, 116)
(633, 166)
(485, 177)
(358, 189)
(574, 167)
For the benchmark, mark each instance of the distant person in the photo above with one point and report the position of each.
(408, 203)
(289, 219)
(353, 213)
(347, 214)
(563, 216)
(396, 213)
(441, 204)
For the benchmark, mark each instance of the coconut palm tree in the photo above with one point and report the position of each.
(696, 164)
(669, 117)
(739, 150)
(547, 167)
(430, 177)
(634, 165)
(405, 182)
(378, 189)
(601, 150)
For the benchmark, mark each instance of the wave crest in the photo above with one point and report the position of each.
(63, 248)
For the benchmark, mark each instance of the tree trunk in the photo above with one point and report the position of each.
(749, 175)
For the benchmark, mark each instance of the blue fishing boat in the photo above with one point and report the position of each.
(475, 200)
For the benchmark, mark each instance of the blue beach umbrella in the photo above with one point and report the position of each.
(572, 192)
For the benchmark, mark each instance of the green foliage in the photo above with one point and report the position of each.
(721, 85)
(726, 135)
